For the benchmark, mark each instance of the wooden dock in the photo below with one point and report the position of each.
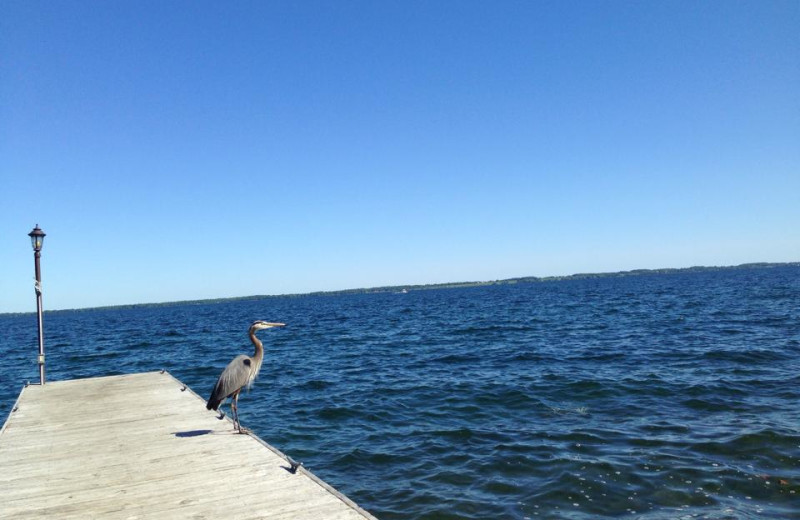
(144, 446)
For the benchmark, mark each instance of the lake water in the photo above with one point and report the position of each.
(658, 396)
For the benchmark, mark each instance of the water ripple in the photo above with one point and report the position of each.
(647, 397)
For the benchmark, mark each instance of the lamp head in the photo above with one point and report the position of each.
(37, 238)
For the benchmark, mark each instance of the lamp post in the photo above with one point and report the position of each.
(37, 238)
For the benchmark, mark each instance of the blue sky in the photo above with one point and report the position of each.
(184, 150)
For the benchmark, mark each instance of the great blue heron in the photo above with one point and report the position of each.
(239, 373)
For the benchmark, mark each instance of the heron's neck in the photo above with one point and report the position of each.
(259, 354)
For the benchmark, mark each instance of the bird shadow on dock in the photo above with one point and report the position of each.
(192, 433)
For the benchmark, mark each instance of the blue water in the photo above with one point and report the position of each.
(659, 396)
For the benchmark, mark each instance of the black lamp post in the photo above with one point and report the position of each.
(37, 238)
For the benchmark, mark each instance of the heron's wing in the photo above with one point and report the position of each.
(234, 377)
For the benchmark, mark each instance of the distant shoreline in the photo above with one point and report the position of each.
(425, 287)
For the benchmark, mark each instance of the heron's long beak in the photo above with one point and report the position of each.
(270, 324)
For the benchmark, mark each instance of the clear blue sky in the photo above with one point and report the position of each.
(183, 150)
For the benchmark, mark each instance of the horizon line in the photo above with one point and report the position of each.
(418, 287)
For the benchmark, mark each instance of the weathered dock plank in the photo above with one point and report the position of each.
(143, 446)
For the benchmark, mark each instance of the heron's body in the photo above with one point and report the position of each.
(240, 373)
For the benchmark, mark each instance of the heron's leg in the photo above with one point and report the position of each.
(238, 424)
(235, 406)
